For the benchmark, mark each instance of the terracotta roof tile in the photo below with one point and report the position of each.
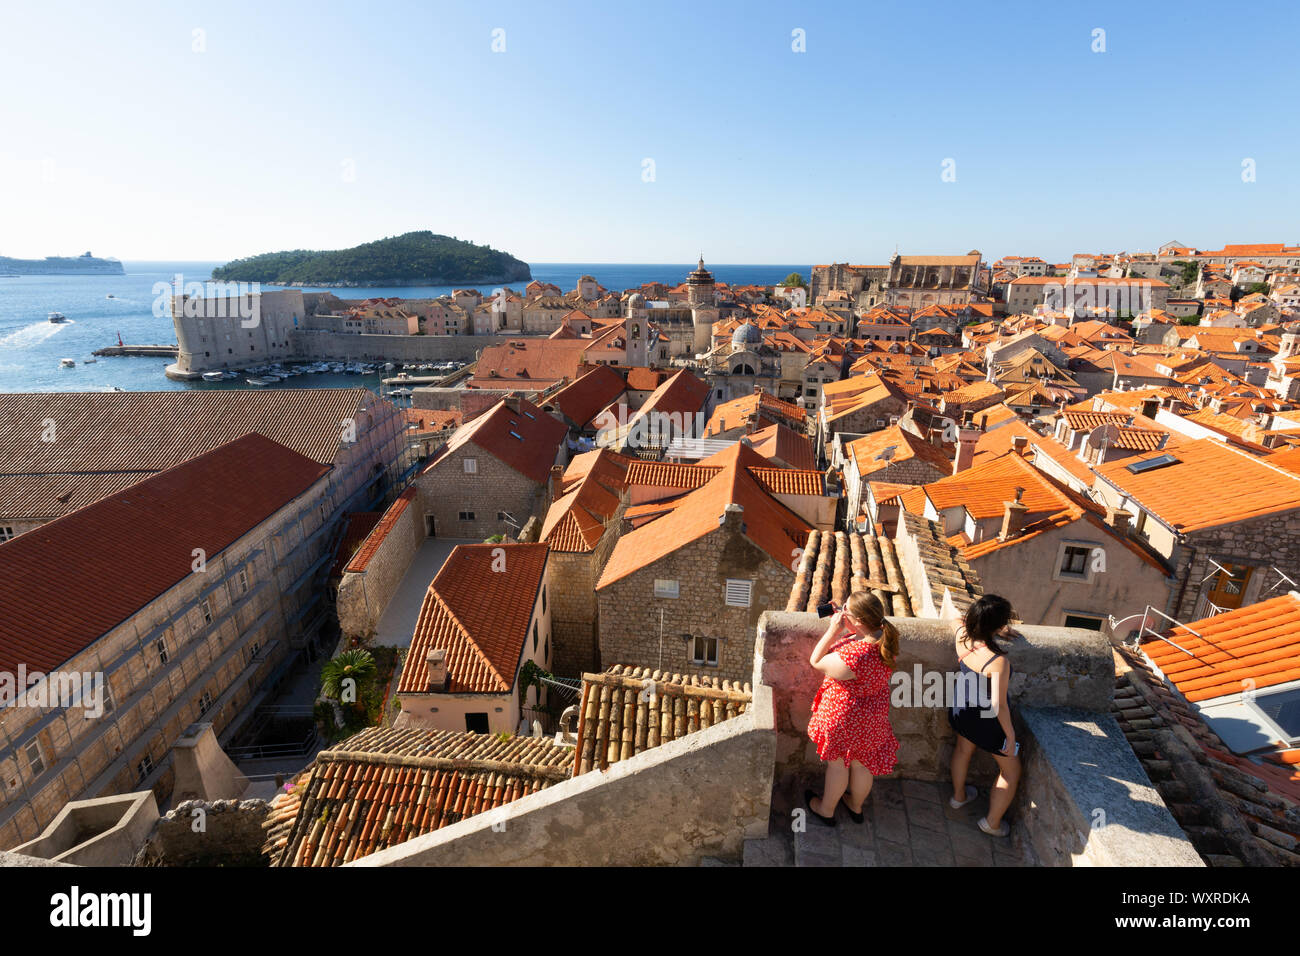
(527, 440)
(383, 787)
(66, 583)
(590, 493)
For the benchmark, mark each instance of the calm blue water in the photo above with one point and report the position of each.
(31, 347)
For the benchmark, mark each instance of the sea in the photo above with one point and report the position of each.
(102, 308)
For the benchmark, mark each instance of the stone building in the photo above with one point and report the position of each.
(185, 594)
(683, 588)
(234, 331)
(494, 472)
(1225, 523)
(581, 528)
(487, 613)
(915, 282)
(865, 285)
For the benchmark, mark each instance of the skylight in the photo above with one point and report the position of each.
(1160, 461)
(515, 435)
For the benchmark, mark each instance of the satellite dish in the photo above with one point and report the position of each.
(1103, 436)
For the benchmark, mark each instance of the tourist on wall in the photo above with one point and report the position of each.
(982, 718)
(850, 714)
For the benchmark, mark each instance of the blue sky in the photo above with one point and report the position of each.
(321, 125)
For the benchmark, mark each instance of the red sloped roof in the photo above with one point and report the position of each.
(65, 584)
(589, 496)
(582, 400)
(479, 615)
(526, 440)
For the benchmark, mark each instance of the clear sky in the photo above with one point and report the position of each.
(323, 124)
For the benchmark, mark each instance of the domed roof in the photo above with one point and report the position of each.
(747, 334)
(636, 301)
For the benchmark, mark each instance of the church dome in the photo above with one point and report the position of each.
(747, 335)
(636, 301)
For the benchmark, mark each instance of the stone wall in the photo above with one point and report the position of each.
(220, 833)
(1053, 667)
(313, 345)
(1085, 799)
(575, 614)
(363, 596)
(629, 611)
(1261, 543)
(699, 796)
(493, 487)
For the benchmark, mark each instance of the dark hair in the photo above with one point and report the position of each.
(985, 618)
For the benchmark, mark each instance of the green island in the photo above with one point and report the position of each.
(415, 258)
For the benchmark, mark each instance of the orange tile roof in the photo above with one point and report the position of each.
(526, 440)
(479, 615)
(385, 786)
(107, 441)
(430, 419)
(682, 394)
(768, 523)
(361, 559)
(583, 399)
(755, 408)
(665, 474)
(1190, 495)
(357, 527)
(68, 582)
(892, 445)
(1259, 642)
(785, 444)
(788, 481)
(589, 497)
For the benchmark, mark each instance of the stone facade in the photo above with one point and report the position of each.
(199, 833)
(575, 616)
(630, 613)
(468, 504)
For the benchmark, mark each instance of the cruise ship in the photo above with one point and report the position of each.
(85, 264)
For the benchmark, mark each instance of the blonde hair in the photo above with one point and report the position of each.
(868, 609)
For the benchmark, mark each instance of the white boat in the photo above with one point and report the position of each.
(58, 317)
(259, 382)
(388, 366)
(68, 363)
(213, 376)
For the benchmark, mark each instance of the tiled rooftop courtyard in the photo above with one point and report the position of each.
(908, 823)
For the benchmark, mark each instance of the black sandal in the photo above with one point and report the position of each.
(859, 817)
(807, 799)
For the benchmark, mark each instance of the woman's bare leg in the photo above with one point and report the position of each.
(1005, 788)
(837, 778)
(961, 754)
(860, 780)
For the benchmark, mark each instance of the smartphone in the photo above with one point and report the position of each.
(827, 609)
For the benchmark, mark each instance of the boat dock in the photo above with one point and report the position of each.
(437, 381)
(151, 351)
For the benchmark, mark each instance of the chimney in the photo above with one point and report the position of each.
(436, 658)
(967, 436)
(1150, 406)
(1013, 517)
(512, 402)
(1020, 444)
(1118, 519)
(733, 518)
(557, 475)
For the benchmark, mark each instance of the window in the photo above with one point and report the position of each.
(35, 759)
(162, 650)
(665, 589)
(6, 532)
(206, 608)
(144, 768)
(739, 592)
(476, 723)
(471, 466)
(1089, 621)
(1074, 562)
(205, 703)
(243, 580)
(543, 600)
(255, 647)
(534, 636)
(704, 650)
(467, 516)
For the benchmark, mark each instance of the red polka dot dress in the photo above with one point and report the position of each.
(850, 719)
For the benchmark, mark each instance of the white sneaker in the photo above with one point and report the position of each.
(1003, 830)
(971, 794)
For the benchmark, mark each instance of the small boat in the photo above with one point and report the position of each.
(90, 361)
(58, 317)
(259, 382)
(213, 376)
(68, 363)
(110, 296)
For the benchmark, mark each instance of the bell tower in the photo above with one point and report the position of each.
(702, 298)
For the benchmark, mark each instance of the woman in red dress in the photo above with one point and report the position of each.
(850, 719)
